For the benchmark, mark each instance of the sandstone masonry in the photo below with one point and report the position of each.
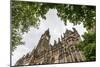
(63, 51)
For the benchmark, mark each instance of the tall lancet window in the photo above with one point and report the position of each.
(61, 59)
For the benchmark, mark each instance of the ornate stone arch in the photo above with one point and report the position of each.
(53, 60)
(61, 58)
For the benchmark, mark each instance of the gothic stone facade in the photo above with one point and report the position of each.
(63, 51)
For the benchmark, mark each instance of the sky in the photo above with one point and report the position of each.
(56, 28)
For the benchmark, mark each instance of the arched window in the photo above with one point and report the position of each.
(61, 58)
(75, 59)
(72, 49)
(62, 50)
(53, 60)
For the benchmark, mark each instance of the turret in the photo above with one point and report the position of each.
(43, 44)
(67, 33)
(74, 30)
(76, 33)
(58, 40)
(61, 37)
(55, 42)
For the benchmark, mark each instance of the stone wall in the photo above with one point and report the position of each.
(62, 52)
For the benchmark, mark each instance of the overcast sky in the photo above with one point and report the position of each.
(56, 29)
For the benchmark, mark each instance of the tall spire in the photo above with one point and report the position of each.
(55, 42)
(43, 43)
(58, 40)
(61, 37)
(47, 31)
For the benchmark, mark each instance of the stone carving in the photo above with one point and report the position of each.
(62, 52)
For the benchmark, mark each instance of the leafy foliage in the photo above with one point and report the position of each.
(78, 14)
(24, 15)
(27, 14)
(88, 46)
(90, 52)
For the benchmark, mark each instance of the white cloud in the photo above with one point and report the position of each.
(56, 28)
